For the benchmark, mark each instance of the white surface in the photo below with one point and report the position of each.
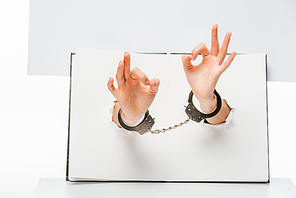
(57, 188)
(194, 152)
(282, 125)
(33, 139)
(58, 27)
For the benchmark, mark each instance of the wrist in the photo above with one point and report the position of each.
(194, 114)
(114, 113)
(208, 105)
(222, 116)
(126, 120)
(142, 127)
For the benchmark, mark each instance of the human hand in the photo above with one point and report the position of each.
(203, 77)
(135, 91)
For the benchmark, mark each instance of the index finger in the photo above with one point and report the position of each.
(202, 49)
(139, 74)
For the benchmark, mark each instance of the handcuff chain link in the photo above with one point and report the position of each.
(158, 131)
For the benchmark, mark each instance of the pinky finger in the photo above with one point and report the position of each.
(112, 88)
(227, 62)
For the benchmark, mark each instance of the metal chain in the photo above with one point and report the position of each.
(158, 131)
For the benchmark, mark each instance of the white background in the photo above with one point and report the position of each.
(57, 27)
(33, 115)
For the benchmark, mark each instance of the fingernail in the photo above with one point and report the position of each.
(153, 82)
(192, 58)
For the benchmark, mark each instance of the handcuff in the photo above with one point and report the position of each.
(141, 128)
(192, 112)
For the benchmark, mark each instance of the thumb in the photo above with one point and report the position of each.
(186, 62)
(154, 84)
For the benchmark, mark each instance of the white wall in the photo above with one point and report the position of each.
(33, 111)
(161, 26)
(33, 115)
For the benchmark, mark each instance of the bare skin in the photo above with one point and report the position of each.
(135, 92)
(203, 77)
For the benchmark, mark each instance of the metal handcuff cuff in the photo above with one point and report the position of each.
(192, 112)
